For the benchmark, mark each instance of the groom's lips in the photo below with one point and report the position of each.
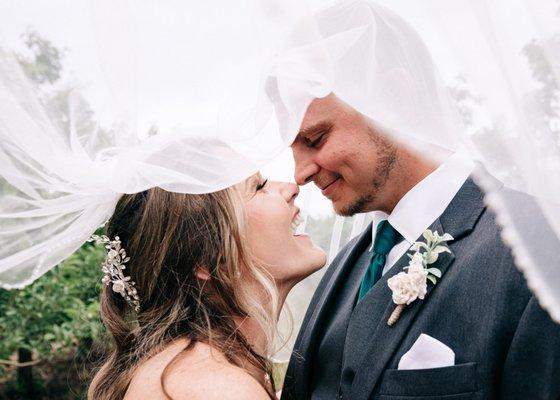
(330, 188)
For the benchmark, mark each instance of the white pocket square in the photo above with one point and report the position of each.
(427, 352)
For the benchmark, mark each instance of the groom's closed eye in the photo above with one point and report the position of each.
(315, 135)
(315, 142)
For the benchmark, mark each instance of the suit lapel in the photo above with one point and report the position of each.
(370, 346)
(311, 331)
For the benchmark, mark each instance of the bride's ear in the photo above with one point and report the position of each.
(202, 273)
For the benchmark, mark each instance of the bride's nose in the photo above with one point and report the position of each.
(289, 191)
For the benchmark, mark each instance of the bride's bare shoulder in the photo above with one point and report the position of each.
(208, 375)
(198, 373)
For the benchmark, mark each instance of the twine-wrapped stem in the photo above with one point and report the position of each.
(395, 315)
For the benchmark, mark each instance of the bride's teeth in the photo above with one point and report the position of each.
(296, 222)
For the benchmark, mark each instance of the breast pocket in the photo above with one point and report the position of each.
(450, 383)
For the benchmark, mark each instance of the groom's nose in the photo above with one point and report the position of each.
(306, 168)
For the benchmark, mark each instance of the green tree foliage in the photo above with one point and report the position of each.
(58, 315)
(45, 63)
(542, 107)
(60, 311)
(485, 136)
(538, 54)
(65, 106)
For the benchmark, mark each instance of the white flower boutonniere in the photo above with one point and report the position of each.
(413, 284)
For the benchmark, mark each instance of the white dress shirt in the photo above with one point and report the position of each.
(424, 203)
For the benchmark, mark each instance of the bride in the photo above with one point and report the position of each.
(201, 251)
(210, 274)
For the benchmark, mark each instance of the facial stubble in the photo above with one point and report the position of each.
(386, 154)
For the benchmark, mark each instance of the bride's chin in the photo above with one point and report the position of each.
(314, 260)
(317, 259)
(321, 260)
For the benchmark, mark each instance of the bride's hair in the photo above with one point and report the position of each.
(169, 237)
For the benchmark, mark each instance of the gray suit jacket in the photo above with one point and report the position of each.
(506, 346)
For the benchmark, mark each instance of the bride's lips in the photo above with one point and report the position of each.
(330, 188)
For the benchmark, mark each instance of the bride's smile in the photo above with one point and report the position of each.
(272, 222)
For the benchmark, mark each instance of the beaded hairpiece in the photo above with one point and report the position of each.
(113, 268)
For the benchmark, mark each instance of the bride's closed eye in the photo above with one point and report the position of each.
(261, 185)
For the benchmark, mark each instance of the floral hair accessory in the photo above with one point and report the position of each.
(411, 285)
(113, 268)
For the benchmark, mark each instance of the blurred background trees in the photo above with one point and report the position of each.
(54, 320)
(50, 325)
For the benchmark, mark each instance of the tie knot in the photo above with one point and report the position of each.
(386, 238)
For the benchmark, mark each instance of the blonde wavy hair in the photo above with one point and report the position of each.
(168, 237)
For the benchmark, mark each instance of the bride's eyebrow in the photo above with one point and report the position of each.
(251, 183)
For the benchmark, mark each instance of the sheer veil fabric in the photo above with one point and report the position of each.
(101, 98)
(479, 77)
(196, 98)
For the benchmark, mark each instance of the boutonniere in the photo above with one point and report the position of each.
(412, 284)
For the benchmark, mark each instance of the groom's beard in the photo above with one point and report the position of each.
(357, 206)
(386, 159)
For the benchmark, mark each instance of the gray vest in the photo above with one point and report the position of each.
(325, 381)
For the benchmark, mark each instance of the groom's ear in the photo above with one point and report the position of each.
(202, 273)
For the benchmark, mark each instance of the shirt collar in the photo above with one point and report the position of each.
(428, 199)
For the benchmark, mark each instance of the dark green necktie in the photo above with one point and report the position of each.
(385, 239)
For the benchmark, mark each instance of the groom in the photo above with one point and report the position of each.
(484, 335)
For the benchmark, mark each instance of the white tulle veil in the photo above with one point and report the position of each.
(195, 98)
(478, 77)
(145, 95)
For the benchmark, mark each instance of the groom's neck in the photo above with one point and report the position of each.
(410, 169)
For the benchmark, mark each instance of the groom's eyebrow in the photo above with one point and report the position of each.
(319, 127)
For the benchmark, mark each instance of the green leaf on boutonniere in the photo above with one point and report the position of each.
(428, 235)
(441, 249)
(446, 237)
(434, 271)
(431, 257)
(432, 279)
(421, 245)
